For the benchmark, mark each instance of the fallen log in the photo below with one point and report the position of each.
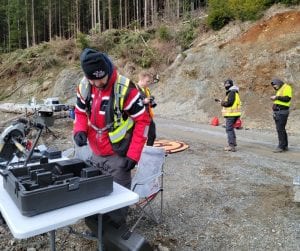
(18, 108)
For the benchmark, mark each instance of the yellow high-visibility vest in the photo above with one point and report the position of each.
(120, 125)
(235, 109)
(285, 90)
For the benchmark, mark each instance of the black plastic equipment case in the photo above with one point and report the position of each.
(44, 187)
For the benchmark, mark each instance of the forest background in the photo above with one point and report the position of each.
(25, 23)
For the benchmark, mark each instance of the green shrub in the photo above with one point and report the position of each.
(107, 40)
(82, 41)
(219, 14)
(49, 62)
(134, 25)
(217, 19)
(163, 33)
(286, 2)
(246, 9)
(186, 35)
(26, 68)
(222, 12)
(185, 38)
(147, 57)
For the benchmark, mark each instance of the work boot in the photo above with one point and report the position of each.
(229, 149)
(280, 150)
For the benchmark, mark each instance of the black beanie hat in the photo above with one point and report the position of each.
(276, 82)
(228, 82)
(93, 64)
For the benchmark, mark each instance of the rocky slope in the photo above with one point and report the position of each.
(249, 53)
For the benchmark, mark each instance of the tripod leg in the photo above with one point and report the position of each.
(48, 129)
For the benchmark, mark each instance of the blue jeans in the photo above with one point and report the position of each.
(231, 137)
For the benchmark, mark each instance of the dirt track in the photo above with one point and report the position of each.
(214, 200)
(222, 201)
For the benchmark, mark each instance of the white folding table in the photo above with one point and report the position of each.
(24, 227)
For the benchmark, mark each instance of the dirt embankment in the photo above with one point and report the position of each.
(278, 26)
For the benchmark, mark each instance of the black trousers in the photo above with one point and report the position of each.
(151, 134)
(113, 165)
(231, 137)
(280, 118)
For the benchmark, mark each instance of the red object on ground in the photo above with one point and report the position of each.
(214, 121)
(238, 124)
(28, 145)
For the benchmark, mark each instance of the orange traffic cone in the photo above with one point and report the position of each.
(214, 121)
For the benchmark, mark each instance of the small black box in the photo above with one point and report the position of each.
(114, 239)
(44, 178)
(52, 153)
(89, 172)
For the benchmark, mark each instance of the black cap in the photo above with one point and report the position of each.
(93, 64)
(276, 82)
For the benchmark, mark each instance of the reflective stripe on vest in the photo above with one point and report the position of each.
(235, 109)
(285, 90)
(120, 126)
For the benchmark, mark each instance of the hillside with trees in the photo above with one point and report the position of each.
(193, 45)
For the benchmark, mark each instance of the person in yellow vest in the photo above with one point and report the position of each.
(231, 111)
(145, 80)
(281, 105)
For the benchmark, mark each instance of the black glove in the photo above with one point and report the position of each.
(129, 164)
(80, 139)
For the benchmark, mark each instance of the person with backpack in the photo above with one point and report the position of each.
(281, 104)
(145, 79)
(231, 111)
(109, 116)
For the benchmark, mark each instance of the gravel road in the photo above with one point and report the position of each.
(213, 200)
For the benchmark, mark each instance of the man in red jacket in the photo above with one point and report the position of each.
(111, 117)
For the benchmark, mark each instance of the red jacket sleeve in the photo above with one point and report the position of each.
(135, 108)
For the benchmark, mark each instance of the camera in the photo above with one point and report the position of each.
(152, 102)
(155, 79)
